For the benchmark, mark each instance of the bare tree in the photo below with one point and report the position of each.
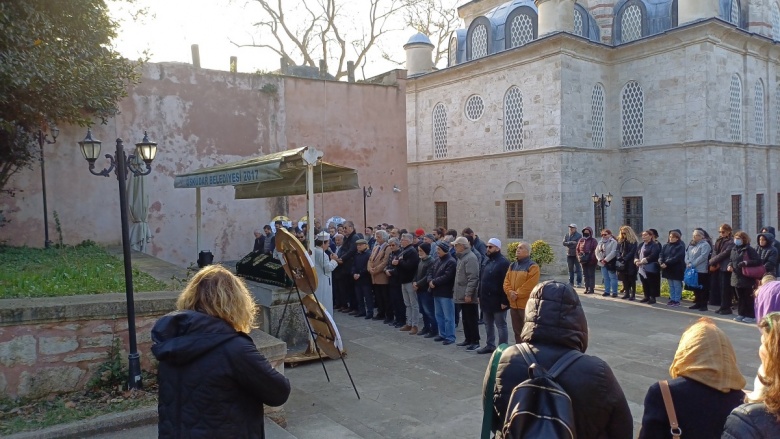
(436, 19)
(305, 31)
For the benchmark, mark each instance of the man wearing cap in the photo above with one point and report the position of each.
(465, 291)
(441, 279)
(324, 266)
(570, 242)
(418, 236)
(363, 295)
(424, 298)
(492, 299)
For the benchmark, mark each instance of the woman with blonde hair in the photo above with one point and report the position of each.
(213, 381)
(625, 267)
(705, 388)
(761, 419)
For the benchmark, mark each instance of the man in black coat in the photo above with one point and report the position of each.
(363, 295)
(346, 256)
(492, 298)
(441, 281)
(554, 325)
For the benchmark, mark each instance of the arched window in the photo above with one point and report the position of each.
(630, 22)
(513, 119)
(520, 27)
(734, 13)
(597, 116)
(777, 116)
(578, 24)
(453, 52)
(674, 13)
(758, 104)
(479, 39)
(735, 108)
(632, 110)
(775, 22)
(439, 131)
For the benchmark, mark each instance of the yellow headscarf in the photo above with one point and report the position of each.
(705, 355)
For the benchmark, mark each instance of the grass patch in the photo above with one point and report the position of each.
(66, 271)
(24, 415)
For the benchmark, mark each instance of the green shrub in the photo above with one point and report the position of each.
(511, 250)
(541, 252)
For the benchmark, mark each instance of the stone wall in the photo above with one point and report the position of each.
(55, 345)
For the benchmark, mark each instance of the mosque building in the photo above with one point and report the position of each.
(671, 111)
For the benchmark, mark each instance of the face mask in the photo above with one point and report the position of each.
(737, 242)
(587, 235)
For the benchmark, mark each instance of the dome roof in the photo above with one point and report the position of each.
(419, 38)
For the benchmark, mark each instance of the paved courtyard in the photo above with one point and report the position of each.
(412, 387)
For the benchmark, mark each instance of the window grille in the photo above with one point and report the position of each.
(440, 212)
(758, 102)
(775, 22)
(513, 120)
(632, 109)
(514, 219)
(598, 219)
(578, 23)
(632, 213)
(453, 55)
(631, 24)
(479, 42)
(736, 212)
(597, 116)
(734, 14)
(735, 107)
(759, 213)
(474, 108)
(522, 30)
(439, 131)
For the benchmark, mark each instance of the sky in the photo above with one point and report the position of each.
(172, 26)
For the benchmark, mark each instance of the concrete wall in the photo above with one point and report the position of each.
(202, 118)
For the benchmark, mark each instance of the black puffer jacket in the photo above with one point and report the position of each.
(213, 381)
(751, 421)
(768, 253)
(491, 283)
(555, 324)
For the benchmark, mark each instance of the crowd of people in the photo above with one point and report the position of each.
(717, 271)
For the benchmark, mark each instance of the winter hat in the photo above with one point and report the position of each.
(444, 246)
(495, 242)
(431, 237)
(419, 232)
(425, 247)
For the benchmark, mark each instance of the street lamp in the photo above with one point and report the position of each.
(43, 139)
(366, 194)
(603, 201)
(121, 164)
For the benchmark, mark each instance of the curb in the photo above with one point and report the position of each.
(94, 426)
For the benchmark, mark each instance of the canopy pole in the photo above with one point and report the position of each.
(311, 156)
(197, 220)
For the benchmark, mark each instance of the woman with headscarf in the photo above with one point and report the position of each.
(743, 255)
(706, 385)
(761, 420)
(767, 252)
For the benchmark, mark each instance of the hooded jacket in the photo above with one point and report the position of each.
(775, 243)
(213, 381)
(587, 245)
(768, 253)
(555, 324)
(751, 421)
(738, 255)
(707, 386)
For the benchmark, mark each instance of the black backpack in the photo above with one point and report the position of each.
(539, 407)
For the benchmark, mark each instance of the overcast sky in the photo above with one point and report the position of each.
(172, 26)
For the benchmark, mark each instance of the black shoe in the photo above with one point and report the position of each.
(378, 318)
(694, 306)
(398, 325)
(423, 332)
(437, 338)
(651, 301)
(362, 314)
(431, 335)
(369, 317)
(472, 347)
(703, 307)
(626, 296)
(724, 312)
(605, 295)
(486, 350)
(633, 296)
(387, 321)
(463, 343)
(645, 300)
(447, 342)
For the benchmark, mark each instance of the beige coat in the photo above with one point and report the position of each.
(377, 263)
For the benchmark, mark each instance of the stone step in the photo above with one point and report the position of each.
(274, 431)
(319, 426)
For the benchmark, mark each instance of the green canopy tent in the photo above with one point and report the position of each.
(293, 172)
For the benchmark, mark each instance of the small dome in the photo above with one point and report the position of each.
(419, 38)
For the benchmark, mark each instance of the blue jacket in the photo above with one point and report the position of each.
(491, 283)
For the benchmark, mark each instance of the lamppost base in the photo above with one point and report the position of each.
(134, 371)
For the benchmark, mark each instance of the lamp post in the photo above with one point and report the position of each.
(43, 139)
(603, 201)
(366, 194)
(121, 164)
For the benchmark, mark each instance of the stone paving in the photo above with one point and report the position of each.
(412, 387)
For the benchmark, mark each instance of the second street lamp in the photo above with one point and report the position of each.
(121, 164)
(366, 194)
(43, 139)
(603, 201)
